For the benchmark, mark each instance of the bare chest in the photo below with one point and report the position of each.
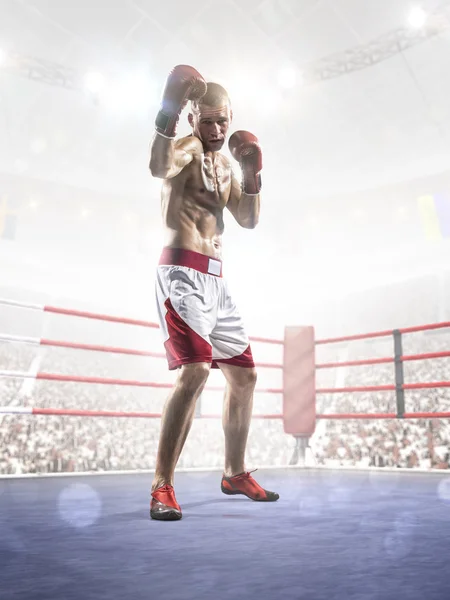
(215, 175)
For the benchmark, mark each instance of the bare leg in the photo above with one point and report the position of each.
(177, 420)
(237, 414)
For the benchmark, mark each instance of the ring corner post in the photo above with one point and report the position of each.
(299, 381)
(399, 374)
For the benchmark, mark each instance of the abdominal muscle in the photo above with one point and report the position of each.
(191, 239)
(194, 228)
(193, 218)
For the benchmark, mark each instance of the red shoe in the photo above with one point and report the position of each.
(246, 485)
(164, 506)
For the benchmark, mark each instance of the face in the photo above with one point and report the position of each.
(211, 125)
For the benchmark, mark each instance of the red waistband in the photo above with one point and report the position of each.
(193, 260)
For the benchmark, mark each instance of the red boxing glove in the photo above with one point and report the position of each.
(245, 148)
(184, 83)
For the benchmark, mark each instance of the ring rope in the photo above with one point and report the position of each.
(98, 348)
(70, 412)
(380, 416)
(385, 333)
(73, 412)
(133, 352)
(102, 317)
(151, 324)
(130, 382)
(379, 361)
(111, 381)
(384, 388)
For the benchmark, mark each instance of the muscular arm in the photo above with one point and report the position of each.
(244, 208)
(169, 157)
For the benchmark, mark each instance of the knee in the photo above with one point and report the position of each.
(245, 380)
(251, 377)
(192, 378)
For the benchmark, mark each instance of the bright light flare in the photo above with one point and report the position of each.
(94, 82)
(133, 93)
(38, 145)
(417, 18)
(269, 103)
(288, 77)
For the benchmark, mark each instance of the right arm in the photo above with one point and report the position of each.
(168, 157)
(244, 200)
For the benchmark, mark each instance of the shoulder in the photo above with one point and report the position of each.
(190, 144)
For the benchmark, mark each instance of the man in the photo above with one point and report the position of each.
(199, 320)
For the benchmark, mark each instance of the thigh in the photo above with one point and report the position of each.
(187, 305)
(192, 295)
(229, 339)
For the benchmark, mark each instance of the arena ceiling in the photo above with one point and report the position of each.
(360, 118)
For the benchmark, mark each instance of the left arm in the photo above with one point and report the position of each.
(244, 207)
(244, 201)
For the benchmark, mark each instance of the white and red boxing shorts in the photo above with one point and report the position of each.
(198, 318)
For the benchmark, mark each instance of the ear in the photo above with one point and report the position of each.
(191, 119)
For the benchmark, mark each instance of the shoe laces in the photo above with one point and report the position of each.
(246, 475)
(167, 489)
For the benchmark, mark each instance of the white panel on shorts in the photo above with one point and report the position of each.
(205, 304)
(214, 267)
(228, 337)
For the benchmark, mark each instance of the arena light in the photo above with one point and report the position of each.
(20, 165)
(134, 93)
(287, 78)
(269, 103)
(38, 145)
(85, 213)
(312, 221)
(417, 18)
(357, 214)
(140, 86)
(242, 89)
(402, 212)
(94, 82)
(130, 218)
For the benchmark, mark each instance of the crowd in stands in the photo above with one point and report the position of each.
(406, 443)
(39, 444)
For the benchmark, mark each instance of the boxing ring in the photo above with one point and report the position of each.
(334, 533)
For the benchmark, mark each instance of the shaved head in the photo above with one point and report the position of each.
(216, 97)
(211, 116)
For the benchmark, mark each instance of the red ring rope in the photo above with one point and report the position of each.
(385, 333)
(113, 381)
(70, 412)
(95, 348)
(113, 413)
(99, 317)
(103, 317)
(128, 351)
(143, 323)
(369, 416)
(384, 388)
(128, 321)
(379, 361)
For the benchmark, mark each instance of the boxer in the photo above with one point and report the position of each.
(200, 323)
